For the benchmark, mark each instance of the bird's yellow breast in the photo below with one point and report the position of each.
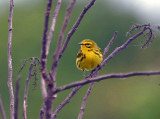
(89, 60)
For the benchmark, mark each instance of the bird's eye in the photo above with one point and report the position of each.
(88, 45)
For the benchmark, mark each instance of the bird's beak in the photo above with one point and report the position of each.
(80, 43)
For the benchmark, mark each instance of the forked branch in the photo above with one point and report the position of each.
(44, 44)
(30, 75)
(75, 26)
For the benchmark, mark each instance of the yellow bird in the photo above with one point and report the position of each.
(89, 56)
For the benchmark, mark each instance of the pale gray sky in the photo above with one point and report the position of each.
(146, 10)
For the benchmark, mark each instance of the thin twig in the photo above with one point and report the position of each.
(44, 44)
(10, 72)
(53, 24)
(118, 49)
(109, 44)
(67, 100)
(26, 90)
(75, 26)
(17, 97)
(59, 44)
(103, 77)
(81, 113)
(2, 109)
(147, 27)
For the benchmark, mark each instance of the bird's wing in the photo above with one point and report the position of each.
(79, 54)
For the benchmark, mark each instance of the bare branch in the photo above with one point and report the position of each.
(52, 84)
(49, 38)
(26, 89)
(2, 109)
(43, 88)
(44, 95)
(10, 72)
(146, 27)
(17, 97)
(53, 24)
(118, 49)
(103, 77)
(75, 26)
(59, 44)
(109, 44)
(81, 113)
(44, 43)
(67, 100)
(35, 67)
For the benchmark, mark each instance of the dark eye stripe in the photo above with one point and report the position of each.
(88, 45)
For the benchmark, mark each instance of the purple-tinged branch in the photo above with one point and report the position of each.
(67, 100)
(26, 90)
(81, 113)
(146, 27)
(109, 44)
(52, 85)
(59, 44)
(2, 109)
(43, 88)
(75, 26)
(44, 43)
(10, 72)
(53, 24)
(150, 37)
(118, 49)
(17, 97)
(105, 77)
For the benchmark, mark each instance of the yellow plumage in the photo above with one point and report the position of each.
(89, 56)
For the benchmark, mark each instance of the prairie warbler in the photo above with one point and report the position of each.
(89, 56)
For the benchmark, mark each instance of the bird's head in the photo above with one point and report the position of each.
(88, 44)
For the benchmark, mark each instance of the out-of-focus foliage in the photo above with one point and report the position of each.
(133, 98)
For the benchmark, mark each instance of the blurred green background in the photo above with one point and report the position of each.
(133, 98)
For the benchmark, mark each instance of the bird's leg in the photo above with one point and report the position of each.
(99, 67)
